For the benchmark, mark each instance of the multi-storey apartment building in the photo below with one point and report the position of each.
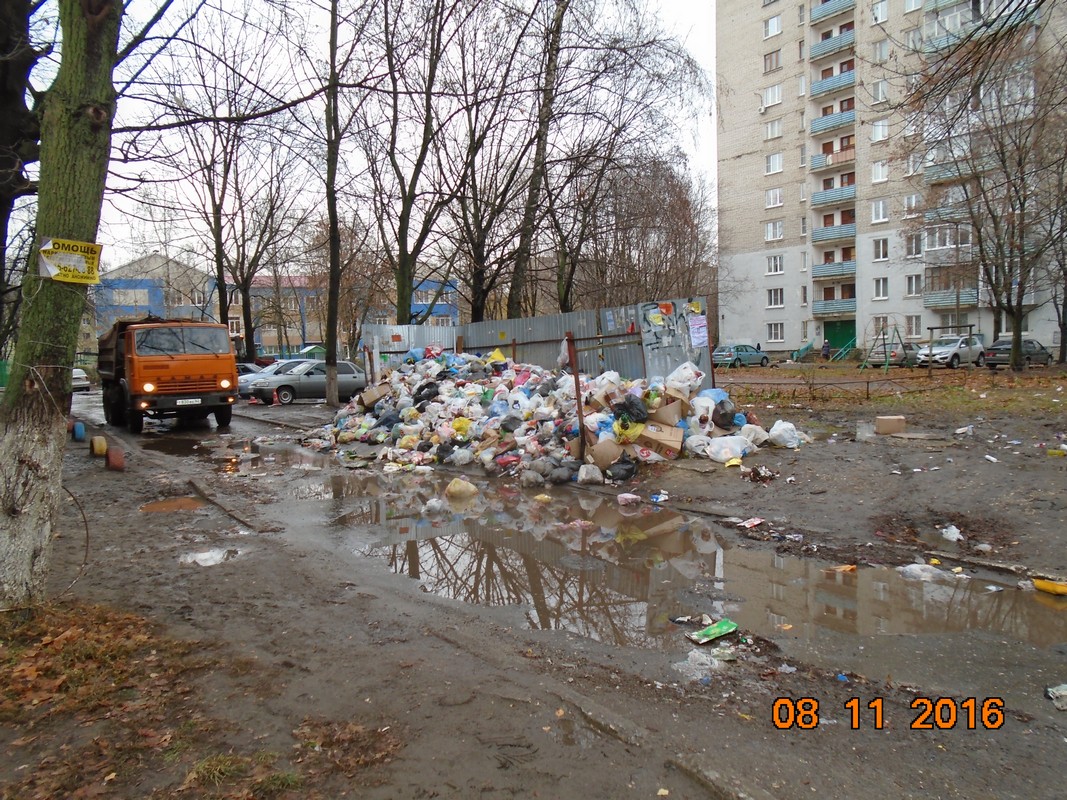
(824, 176)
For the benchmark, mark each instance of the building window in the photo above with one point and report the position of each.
(879, 172)
(914, 244)
(879, 11)
(773, 164)
(773, 230)
(913, 285)
(235, 327)
(912, 5)
(880, 129)
(803, 260)
(774, 265)
(772, 198)
(773, 129)
(772, 61)
(879, 91)
(943, 236)
(881, 288)
(913, 326)
(951, 319)
(880, 51)
(803, 192)
(772, 26)
(880, 210)
(914, 163)
(800, 50)
(804, 331)
(775, 331)
(772, 95)
(800, 13)
(803, 155)
(803, 226)
(880, 324)
(804, 295)
(775, 298)
(802, 85)
(912, 204)
(881, 249)
(913, 39)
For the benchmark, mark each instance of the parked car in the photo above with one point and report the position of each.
(79, 380)
(308, 380)
(244, 382)
(895, 354)
(247, 369)
(998, 354)
(738, 355)
(951, 351)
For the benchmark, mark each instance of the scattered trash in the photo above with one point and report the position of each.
(842, 677)
(660, 497)
(1050, 587)
(1058, 696)
(712, 632)
(697, 665)
(628, 499)
(751, 522)
(787, 669)
(992, 459)
(920, 572)
(951, 533)
(991, 588)
(459, 489)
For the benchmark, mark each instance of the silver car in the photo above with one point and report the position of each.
(79, 380)
(951, 351)
(308, 381)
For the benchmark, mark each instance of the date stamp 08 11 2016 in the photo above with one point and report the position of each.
(931, 713)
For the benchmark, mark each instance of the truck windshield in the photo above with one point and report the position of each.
(181, 340)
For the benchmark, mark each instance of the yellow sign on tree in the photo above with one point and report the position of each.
(70, 261)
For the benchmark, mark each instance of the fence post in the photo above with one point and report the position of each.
(515, 350)
(572, 358)
(459, 343)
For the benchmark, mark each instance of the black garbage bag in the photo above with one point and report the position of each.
(388, 420)
(723, 415)
(425, 392)
(623, 469)
(510, 424)
(632, 407)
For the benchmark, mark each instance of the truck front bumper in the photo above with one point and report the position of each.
(173, 403)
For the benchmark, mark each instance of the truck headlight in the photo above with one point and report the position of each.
(149, 387)
(225, 383)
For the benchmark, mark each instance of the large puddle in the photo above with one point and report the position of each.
(579, 562)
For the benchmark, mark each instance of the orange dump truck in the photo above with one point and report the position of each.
(159, 368)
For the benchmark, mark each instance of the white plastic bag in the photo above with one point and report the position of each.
(725, 448)
(686, 378)
(754, 433)
(784, 434)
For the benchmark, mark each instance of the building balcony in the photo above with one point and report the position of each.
(832, 122)
(946, 298)
(821, 161)
(827, 308)
(951, 29)
(835, 44)
(831, 9)
(945, 214)
(835, 83)
(836, 269)
(833, 233)
(827, 197)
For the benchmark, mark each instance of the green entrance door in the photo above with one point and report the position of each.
(840, 332)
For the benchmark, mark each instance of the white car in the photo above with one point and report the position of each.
(79, 381)
(951, 351)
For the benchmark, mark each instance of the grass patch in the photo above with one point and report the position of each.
(217, 769)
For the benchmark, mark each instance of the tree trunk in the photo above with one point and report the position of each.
(79, 111)
(333, 147)
(517, 290)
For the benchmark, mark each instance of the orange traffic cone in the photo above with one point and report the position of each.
(274, 400)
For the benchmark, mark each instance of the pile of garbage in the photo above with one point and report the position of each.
(523, 419)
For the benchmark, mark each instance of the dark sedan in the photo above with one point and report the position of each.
(1033, 352)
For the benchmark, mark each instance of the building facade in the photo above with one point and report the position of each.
(824, 177)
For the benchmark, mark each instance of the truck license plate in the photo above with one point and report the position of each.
(188, 401)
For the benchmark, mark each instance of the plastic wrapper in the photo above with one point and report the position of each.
(725, 448)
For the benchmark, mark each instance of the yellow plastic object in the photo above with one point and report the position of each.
(496, 357)
(734, 462)
(98, 446)
(1051, 587)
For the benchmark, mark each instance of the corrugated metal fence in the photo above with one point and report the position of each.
(639, 341)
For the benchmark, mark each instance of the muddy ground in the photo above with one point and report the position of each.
(297, 669)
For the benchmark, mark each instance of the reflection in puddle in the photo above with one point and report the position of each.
(584, 564)
(174, 504)
(210, 558)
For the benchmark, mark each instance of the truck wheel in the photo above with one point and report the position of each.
(286, 395)
(223, 416)
(135, 421)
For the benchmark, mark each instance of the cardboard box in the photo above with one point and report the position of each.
(667, 414)
(373, 394)
(887, 425)
(681, 397)
(666, 441)
(604, 453)
(609, 396)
